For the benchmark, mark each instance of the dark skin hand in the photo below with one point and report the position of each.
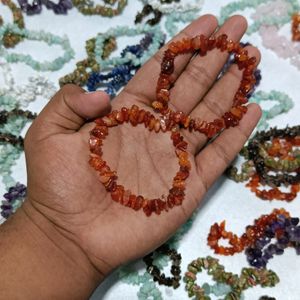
(77, 232)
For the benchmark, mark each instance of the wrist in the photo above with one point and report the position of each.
(56, 267)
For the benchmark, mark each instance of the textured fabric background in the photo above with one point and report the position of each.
(226, 200)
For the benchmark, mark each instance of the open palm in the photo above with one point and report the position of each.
(66, 190)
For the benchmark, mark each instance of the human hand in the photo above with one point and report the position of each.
(65, 191)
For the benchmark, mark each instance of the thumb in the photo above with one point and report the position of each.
(68, 110)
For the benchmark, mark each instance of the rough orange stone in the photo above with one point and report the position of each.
(185, 121)
(157, 126)
(230, 45)
(104, 178)
(177, 116)
(100, 122)
(126, 197)
(196, 42)
(132, 199)
(120, 117)
(204, 45)
(147, 210)
(110, 121)
(95, 145)
(117, 194)
(170, 201)
(241, 56)
(167, 66)
(176, 138)
(100, 131)
(174, 47)
(221, 41)
(151, 205)
(237, 112)
(111, 186)
(163, 82)
(152, 123)
(133, 118)
(132, 202)
(97, 163)
(163, 95)
(182, 145)
(141, 116)
(139, 202)
(125, 114)
(147, 119)
(211, 43)
(182, 175)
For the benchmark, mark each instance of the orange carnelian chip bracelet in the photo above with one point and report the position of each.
(272, 193)
(136, 116)
(251, 235)
(203, 45)
(171, 121)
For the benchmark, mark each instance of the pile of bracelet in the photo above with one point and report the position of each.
(10, 39)
(283, 105)
(8, 132)
(275, 150)
(119, 75)
(267, 12)
(169, 6)
(88, 7)
(17, 117)
(13, 97)
(12, 200)
(11, 146)
(256, 241)
(155, 272)
(147, 287)
(5, 115)
(287, 161)
(81, 74)
(268, 19)
(280, 12)
(60, 7)
(99, 49)
(12, 33)
(238, 244)
(50, 39)
(171, 122)
(249, 277)
(146, 11)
